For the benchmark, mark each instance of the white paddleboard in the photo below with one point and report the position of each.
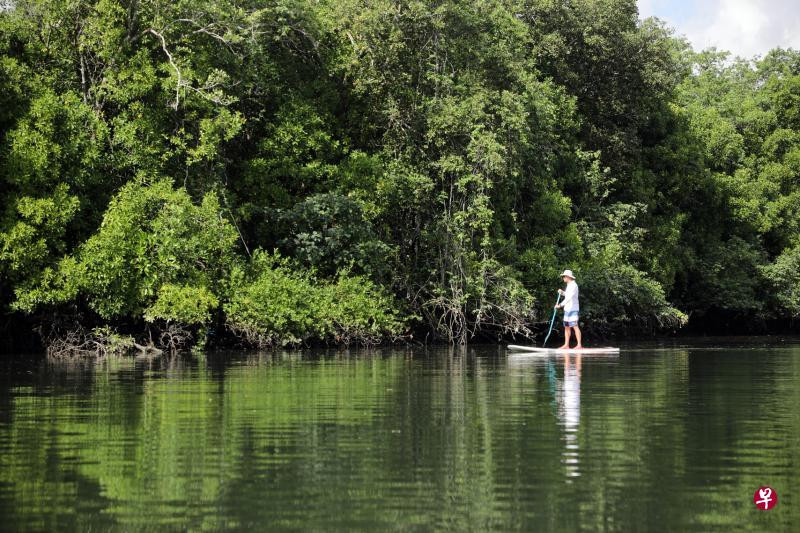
(554, 351)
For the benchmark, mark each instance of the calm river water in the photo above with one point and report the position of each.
(673, 438)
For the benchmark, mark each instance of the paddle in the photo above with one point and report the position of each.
(558, 298)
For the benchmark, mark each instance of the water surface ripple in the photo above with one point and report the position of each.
(674, 437)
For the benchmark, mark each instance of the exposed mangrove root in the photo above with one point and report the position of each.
(77, 341)
(175, 338)
(68, 339)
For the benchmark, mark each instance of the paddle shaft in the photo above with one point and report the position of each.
(552, 320)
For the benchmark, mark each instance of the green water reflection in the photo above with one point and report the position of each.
(671, 439)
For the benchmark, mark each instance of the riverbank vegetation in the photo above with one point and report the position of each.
(286, 172)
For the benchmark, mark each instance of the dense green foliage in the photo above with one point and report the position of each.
(449, 158)
(274, 304)
(150, 238)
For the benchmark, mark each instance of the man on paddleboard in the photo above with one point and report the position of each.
(571, 308)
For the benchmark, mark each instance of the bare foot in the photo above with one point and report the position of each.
(564, 347)
(578, 347)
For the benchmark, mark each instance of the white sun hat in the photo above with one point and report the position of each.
(568, 273)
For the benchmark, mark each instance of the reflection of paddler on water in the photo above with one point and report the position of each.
(568, 409)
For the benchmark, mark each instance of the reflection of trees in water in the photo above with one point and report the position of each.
(161, 439)
(444, 440)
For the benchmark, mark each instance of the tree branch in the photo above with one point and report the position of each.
(171, 62)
